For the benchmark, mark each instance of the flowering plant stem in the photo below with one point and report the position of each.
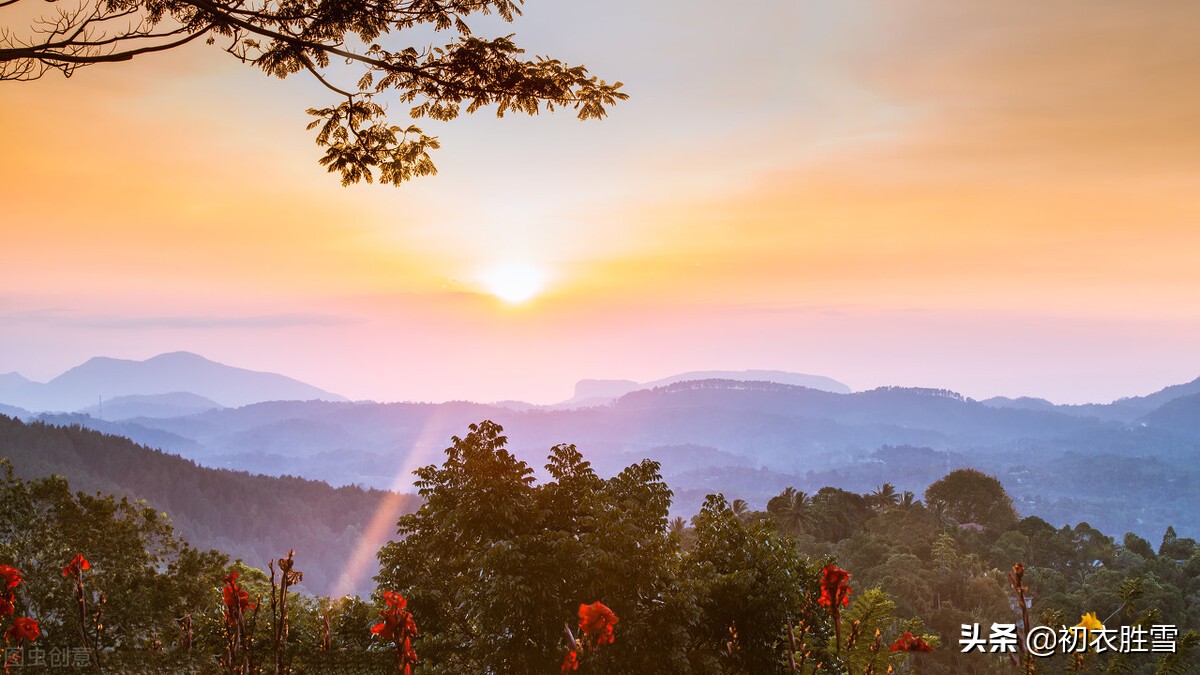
(791, 647)
(1015, 578)
(279, 610)
(81, 602)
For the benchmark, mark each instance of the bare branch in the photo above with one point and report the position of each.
(53, 58)
(308, 64)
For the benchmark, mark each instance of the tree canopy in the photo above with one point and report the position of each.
(495, 565)
(143, 575)
(971, 496)
(356, 49)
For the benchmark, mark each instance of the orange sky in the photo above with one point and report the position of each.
(996, 199)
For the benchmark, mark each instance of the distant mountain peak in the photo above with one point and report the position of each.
(818, 382)
(104, 377)
(179, 356)
(12, 380)
(602, 392)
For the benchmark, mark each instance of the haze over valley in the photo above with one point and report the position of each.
(1129, 465)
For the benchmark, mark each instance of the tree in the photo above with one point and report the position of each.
(748, 580)
(251, 517)
(885, 497)
(972, 496)
(349, 46)
(838, 514)
(141, 578)
(677, 527)
(1138, 545)
(792, 509)
(741, 509)
(1176, 548)
(494, 565)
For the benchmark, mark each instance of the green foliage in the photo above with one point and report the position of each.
(1138, 545)
(874, 611)
(1183, 661)
(948, 575)
(141, 577)
(972, 496)
(748, 580)
(1175, 547)
(838, 513)
(493, 566)
(253, 517)
(793, 510)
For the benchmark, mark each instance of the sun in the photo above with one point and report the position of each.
(513, 283)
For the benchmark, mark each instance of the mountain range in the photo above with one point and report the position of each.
(1124, 409)
(181, 383)
(1129, 465)
(102, 382)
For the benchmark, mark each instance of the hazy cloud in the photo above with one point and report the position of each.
(182, 322)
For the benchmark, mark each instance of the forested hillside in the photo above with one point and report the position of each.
(499, 572)
(253, 517)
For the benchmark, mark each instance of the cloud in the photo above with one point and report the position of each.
(180, 322)
(1079, 84)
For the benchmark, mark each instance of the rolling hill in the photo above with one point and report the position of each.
(254, 517)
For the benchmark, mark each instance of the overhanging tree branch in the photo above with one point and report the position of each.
(284, 37)
(87, 59)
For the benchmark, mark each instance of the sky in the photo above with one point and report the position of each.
(995, 198)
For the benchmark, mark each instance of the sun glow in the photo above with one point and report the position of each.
(513, 283)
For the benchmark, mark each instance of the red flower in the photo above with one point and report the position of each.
(407, 656)
(77, 563)
(12, 577)
(394, 600)
(236, 600)
(397, 623)
(835, 587)
(909, 643)
(597, 621)
(570, 662)
(23, 628)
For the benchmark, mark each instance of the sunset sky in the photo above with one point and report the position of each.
(996, 198)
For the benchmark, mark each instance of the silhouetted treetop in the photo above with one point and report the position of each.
(350, 46)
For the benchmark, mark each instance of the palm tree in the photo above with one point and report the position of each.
(939, 511)
(800, 512)
(908, 500)
(792, 510)
(741, 510)
(677, 526)
(885, 497)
